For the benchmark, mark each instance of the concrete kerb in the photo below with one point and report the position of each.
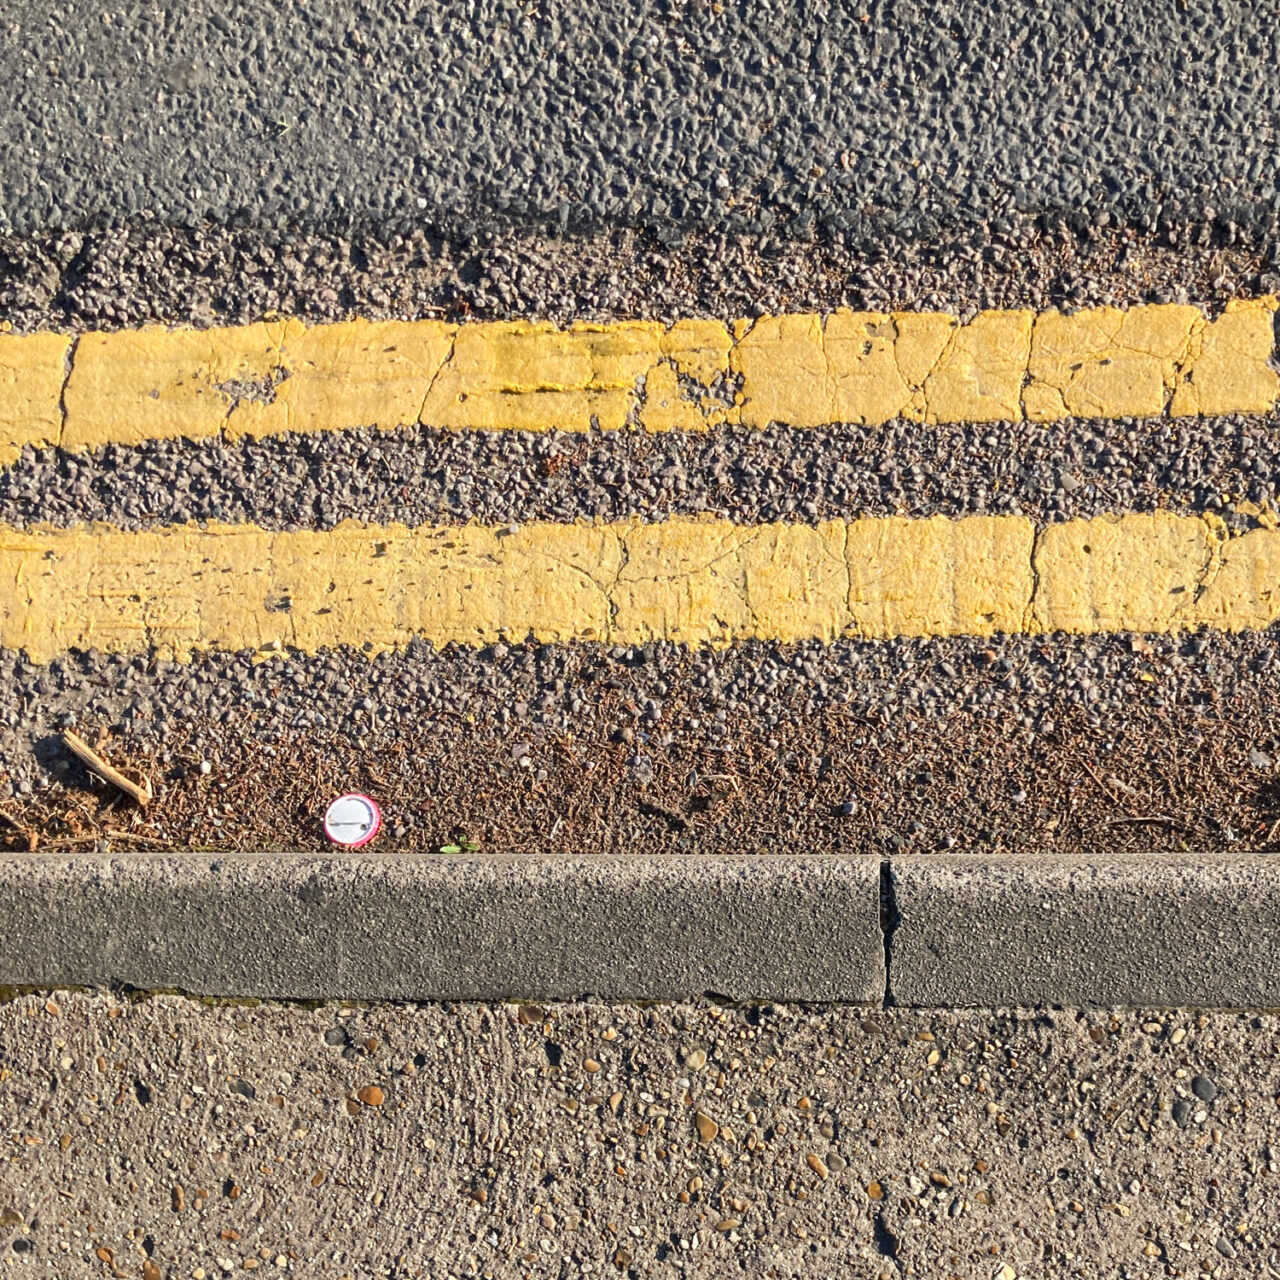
(382, 927)
(1194, 930)
(928, 931)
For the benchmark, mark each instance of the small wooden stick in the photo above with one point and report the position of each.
(92, 760)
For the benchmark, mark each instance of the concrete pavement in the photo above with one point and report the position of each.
(180, 1141)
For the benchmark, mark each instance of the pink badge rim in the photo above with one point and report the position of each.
(369, 835)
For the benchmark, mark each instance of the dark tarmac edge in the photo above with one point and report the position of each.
(1071, 745)
(1151, 930)
(127, 277)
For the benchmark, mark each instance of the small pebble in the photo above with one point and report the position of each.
(1204, 1088)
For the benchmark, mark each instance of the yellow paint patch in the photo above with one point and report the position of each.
(149, 384)
(1229, 368)
(979, 375)
(796, 370)
(698, 348)
(1126, 573)
(333, 376)
(32, 371)
(1107, 362)
(715, 582)
(536, 377)
(939, 577)
(667, 407)
(181, 590)
(1157, 572)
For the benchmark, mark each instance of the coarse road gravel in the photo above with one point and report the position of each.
(655, 749)
(1063, 470)
(1023, 741)
(128, 276)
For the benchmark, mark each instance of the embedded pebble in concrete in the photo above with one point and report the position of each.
(1204, 1088)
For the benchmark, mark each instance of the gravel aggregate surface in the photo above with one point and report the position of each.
(224, 163)
(1056, 744)
(164, 1138)
(416, 476)
(144, 274)
(660, 113)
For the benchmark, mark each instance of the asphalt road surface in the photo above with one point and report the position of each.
(215, 165)
(789, 118)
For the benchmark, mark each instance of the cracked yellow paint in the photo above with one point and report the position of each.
(1155, 572)
(1136, 572)
(32, 371)
(1107, 362)
(184, 589)
(698, 348)
(715, 582)
(358, 373)
(796, 370)
(979, 375)
(534, 377)
(939, 577)
(1229, 367)
(148, 384)
(666, 407)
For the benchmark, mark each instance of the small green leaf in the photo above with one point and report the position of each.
(470, 846)
(450, 848)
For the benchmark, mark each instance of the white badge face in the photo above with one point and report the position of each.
(352, 820)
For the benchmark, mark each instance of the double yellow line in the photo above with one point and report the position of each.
(181, 590)
(797, 370)
(184, 589)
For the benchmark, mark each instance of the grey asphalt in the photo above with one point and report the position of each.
(933, 931)
(850, 117)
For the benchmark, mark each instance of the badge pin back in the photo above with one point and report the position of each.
(352, 820)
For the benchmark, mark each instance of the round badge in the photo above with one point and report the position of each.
(352, 820)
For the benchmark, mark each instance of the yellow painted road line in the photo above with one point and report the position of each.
(701, 582)
(797, 370)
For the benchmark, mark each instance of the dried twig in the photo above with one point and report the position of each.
(92, 760)
(29, 834)
(1106, 790)
(113, 833)
(1155, 820)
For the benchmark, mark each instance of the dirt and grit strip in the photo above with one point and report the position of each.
(167, 1139)
(126, 277)
(1034, 744)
